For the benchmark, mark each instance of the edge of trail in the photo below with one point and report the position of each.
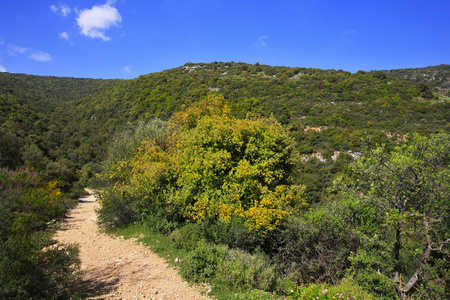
(114, 268)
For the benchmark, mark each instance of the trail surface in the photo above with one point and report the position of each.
(114, 268)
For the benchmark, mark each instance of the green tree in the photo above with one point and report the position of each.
(405, 211)
(9, 148)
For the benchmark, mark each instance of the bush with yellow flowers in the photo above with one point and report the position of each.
(214, 167)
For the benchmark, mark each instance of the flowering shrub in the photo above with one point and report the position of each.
(214, 167)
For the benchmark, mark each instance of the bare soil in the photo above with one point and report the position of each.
(114, 268)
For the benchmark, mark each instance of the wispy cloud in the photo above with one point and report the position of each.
(14, 49)
(61, 9)
(262, 41)
(94, 21)
(347, 32)
(64, 35)
(40, 56)
(2, 68)
(33, 54)
(127, 69)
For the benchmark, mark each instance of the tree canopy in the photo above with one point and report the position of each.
(408, 191)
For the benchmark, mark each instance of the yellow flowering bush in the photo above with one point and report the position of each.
(215, 167)
(232, 167)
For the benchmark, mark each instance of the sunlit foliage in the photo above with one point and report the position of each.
(215, 167)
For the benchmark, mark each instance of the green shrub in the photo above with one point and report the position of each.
(242, 270)
(115, 209)
(233, 234)
(346, 289)
(316, 246)
(203, 262)
(187, 236)
(161, 220)
(125, 144)
(214, 167)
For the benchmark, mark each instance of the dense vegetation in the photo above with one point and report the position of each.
(435, 77)
(294, 180)
(224, 188)
(32, 265)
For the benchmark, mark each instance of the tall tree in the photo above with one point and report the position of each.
(409, 190)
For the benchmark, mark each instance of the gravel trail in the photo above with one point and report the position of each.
(114, 268)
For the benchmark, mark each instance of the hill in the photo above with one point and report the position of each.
(72, 119)
(437, 77)
(337, 102)
(32, 112)
(28, 98)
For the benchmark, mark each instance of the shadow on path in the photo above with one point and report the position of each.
(98, 282)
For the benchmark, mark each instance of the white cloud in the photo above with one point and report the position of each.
(127, 69)
(2, 68)
(61, 9)
(40, 56)
(64, 35)
(93, 22)
(261, 41)
(14, 49)
(33, 54)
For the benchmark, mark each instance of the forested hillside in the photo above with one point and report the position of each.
(73, 118)
(436, 77)
(255, 157)
(27, 99)
(337, 103)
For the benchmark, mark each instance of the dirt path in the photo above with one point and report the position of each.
(117, 268)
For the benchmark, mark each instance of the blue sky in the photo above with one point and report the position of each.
(128, 38)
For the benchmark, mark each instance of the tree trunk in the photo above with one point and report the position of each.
(402, 291)
(396, 252)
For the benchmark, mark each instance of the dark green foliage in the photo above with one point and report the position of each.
(403, 219)
(160, 219)
(234, 235)
(379, 75)
(9, 148)
(32, 264)
(316, 246)
(115, 210)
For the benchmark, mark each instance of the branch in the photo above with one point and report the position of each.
(423, 261)
(441, 246)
